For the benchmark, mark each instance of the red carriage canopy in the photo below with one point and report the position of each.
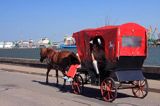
(122, 40)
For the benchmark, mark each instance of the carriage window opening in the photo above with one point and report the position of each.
(131, 41)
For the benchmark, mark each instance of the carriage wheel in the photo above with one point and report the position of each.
(77, 84)
(141, 88)
(108, 90)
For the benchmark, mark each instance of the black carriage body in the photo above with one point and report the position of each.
(129, 68)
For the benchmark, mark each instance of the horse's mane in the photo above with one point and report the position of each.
(51, 52)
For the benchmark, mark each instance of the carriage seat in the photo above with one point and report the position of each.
(72, 70)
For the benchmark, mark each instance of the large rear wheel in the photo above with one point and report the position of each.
(108, 90)
(141, 88)
(77, 84)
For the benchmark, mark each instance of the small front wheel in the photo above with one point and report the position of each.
(77, 84)
(108, 90)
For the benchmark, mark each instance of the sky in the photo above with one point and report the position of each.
(35, 19)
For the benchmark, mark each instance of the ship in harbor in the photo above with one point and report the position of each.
(69, 43)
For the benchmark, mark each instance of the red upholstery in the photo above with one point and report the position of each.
(72, 70)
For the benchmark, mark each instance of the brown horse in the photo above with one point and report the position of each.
(58, 60)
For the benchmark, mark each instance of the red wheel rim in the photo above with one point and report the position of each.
(76, 87)
(108, 90)
(77, 84)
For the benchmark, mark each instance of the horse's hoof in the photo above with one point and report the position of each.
(46, 82)
(63, 90)
(57, 85)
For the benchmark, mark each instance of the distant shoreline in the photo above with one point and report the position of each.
(153, 57)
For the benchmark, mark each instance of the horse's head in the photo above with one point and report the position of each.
(43, 54)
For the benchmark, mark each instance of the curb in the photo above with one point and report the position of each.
(25, 72)
(22, 61)
(37, 63)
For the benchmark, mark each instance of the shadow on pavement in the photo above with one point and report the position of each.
(87, 91)
(95, 93)
(61, 88)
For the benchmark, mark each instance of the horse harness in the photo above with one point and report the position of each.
(54, 65)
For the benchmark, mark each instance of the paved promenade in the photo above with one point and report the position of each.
(154, 85)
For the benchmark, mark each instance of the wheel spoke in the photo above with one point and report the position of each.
(110, 85)
(77, 84)
(104, 94)
(139, 93)
(108, 89)
(78, 89)
(142, 92)
(108, 96)
(135, 82)
(111, 95)
(143, 82)
(104, 86)
(136, 91)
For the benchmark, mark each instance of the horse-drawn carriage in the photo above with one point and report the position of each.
(125, 48)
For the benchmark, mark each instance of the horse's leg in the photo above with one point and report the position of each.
(57, 77)
(47, 73)
(64, 83)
